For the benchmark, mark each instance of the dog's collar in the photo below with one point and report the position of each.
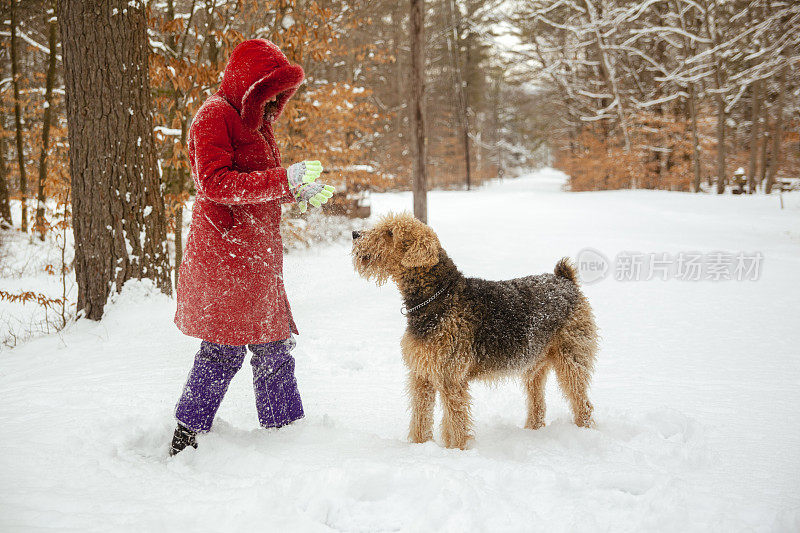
(406, 311)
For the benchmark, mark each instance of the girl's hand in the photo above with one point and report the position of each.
(303, 172)
(313, 193)
(302, 182)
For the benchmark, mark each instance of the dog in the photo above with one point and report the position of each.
(462, 329)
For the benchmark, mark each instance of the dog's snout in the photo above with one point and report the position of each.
(356, 235)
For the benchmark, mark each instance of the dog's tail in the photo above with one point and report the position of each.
(565, 269)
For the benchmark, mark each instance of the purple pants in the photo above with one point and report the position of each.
(277, 398)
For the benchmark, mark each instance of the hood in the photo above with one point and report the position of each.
(257, 70)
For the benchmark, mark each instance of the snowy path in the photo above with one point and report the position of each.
(696, 394)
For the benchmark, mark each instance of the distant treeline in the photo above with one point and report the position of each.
(669, 94)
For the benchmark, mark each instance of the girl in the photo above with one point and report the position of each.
(230, 284)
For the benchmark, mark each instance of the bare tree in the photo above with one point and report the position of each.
(457, 68)
(777, 132)
(15, 75)
(763, 141)
(117, 204)
(178, 46)
(47, 119)
(755, 133)
(419, 186)
(5, 207)
(689, 49)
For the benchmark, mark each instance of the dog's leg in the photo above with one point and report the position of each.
(535, 380)
(423, 397)
(457, 421)
(574, 380)
(573, 355)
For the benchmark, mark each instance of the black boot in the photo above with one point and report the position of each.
(182, 438)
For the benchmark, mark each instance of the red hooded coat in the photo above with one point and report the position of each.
(230, 283)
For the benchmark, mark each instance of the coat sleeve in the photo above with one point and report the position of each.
(214, 168)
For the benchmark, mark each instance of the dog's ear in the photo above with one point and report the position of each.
(420, 243)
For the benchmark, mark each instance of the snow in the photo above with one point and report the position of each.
(165, 131)
(696, 393)
(24, 263)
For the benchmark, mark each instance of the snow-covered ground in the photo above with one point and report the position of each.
(696, 393)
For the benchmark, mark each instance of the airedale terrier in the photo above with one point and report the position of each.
(460, 329)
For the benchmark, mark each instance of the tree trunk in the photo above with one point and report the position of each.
(608, 72)
(467, 157)
(695, 139)
(5, 205)
(462, 103)
(118, 210)
(721, 177)
(23, 176)
(661, 155)
(178, 240)
(213, 49)
(46, 120)
(763, 143)
(419, 187)
(689, 50)
(465, 117)
(494, 130)
(755, 130)
(719, 68)
(400, 76)
(181, 187)
(177, 173)
(777, 134)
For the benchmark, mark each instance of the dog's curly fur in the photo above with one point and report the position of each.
(478, 329)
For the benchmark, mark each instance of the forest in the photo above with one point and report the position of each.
(682, 95)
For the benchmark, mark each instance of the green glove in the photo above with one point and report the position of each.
(315, 194)
(303, 172)
(302, 179)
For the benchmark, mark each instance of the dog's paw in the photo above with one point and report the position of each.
(419, 438)
(454, 439)
(418, 435)
(457, 444)
(534, 424)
